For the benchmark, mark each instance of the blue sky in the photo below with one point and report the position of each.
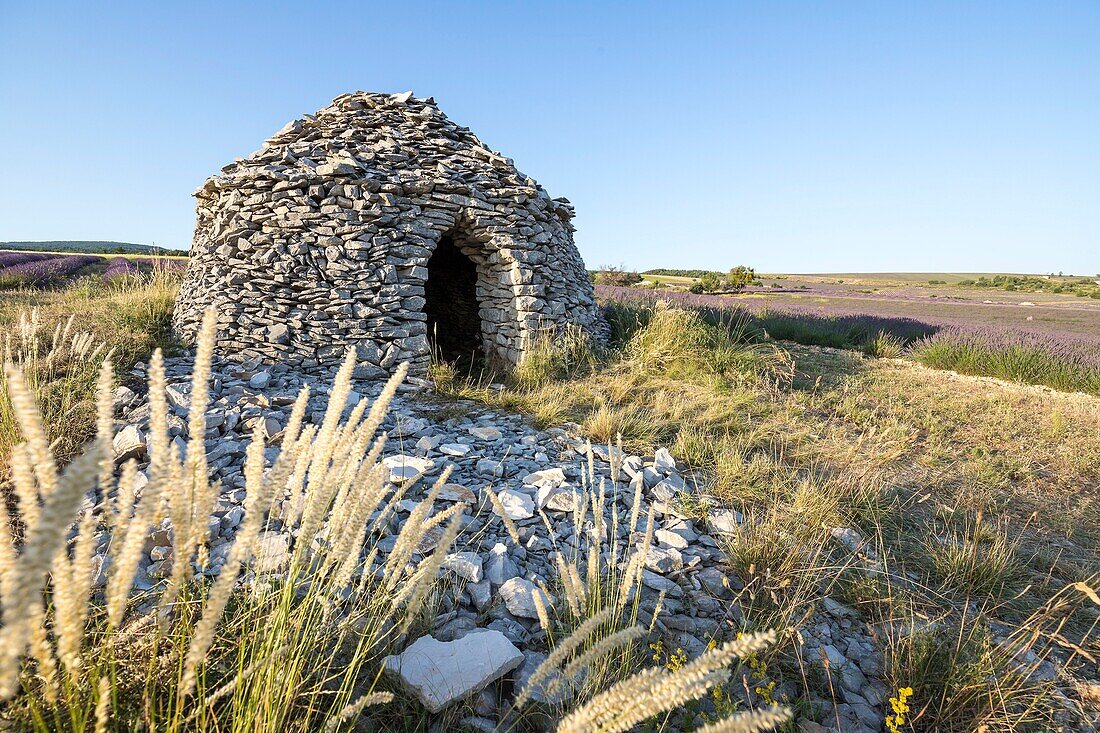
(791, 136)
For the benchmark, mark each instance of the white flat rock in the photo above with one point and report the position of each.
(443, 672)
(484, 432)
(552, 477)
(724, 521)
(457, 492)
(517, 505)
(519, 597)
(404, 468)
(128, 443)
(466, 565)
(556, 500)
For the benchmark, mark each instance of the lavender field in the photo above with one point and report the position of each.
(45, 269)
(1061, 349)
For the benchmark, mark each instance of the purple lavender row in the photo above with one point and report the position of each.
(122, 266)
(7, 259)
(45, 271)
(119, 267)
(1072, 350)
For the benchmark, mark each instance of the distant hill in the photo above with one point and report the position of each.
(669, 272)
(87, 247)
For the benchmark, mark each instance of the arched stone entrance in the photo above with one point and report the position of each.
(455, 331)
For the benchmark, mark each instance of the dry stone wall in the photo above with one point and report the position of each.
(324, 238)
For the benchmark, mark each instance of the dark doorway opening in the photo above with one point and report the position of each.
(450, 294)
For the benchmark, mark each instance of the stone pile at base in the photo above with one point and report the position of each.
(487, 637)
(381, 224)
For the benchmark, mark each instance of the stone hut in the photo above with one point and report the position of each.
(379, 223)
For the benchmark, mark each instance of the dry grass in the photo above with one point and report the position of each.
(52, 334)
(976, 497)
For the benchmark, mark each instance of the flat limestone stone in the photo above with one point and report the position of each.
(519, 597)
(443, 672)
(128, 443)
(517, 505)
(404, 468)
(485, 433)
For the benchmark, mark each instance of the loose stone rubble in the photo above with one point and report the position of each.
(487, 631)
(378, 222)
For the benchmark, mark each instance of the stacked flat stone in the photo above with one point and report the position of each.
(320, 240)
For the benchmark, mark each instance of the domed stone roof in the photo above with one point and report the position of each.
(380, 223)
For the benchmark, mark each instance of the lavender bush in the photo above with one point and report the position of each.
(119, 267)
(1068, 362)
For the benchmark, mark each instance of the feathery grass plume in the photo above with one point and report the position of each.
(629, 578)
(366, 482)
(567, 573)
(158, 418)
(602, 648)
(350, 436)
(241, 550)
(580, 510)
(30, 424)
(356, 707)
(39, 549)
(192, 503)
(561, 652)
(72, 585)
(657, 690)
(7, 550)
(503, 514)
(360, 472)
(429, 570)
(443, 516)
(597, 508)
(613, 562)
(580, 590)
(749, 721)
(24, 485)
(257, 496)
(410, 535)
(320, 491)
(592, 577)
(636, 507)
(390, 507)
(657, 609)
(381, 404)
(349, 546)
(204, 491)
(128, 551)
(42, 653)
(103, 704)
(297, 415)
(540, 610)
(125, 503)
(105, 425)
(295, 483)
